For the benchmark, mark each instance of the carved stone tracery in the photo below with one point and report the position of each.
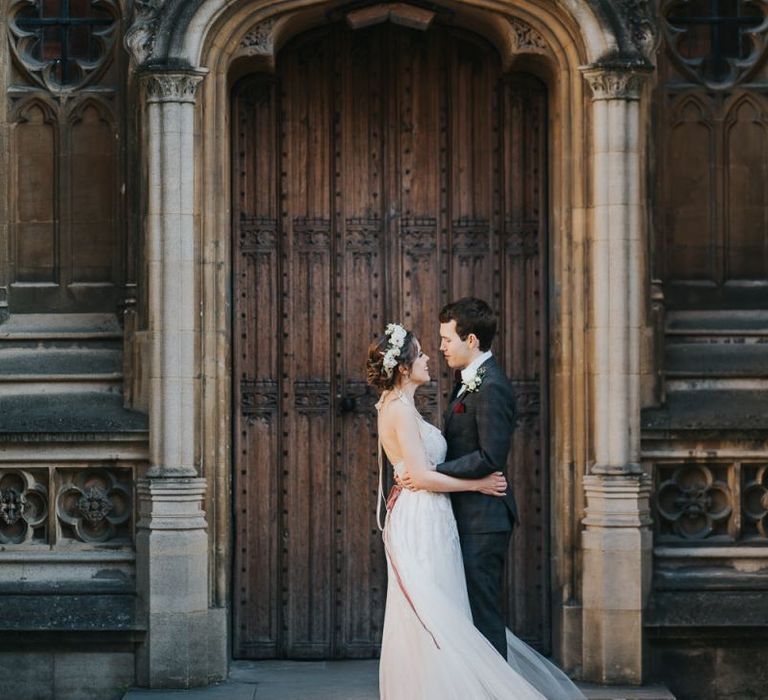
(715, 68)
(23, 507)
(694, 501)
(29, 31)
(755, 500)
(94, 505)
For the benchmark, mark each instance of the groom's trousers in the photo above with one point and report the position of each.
(484, 555)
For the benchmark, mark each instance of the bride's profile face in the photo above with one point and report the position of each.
(420, 367)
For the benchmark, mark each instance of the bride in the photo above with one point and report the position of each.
(430, 648)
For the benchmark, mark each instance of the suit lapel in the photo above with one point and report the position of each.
(451, 408)
(489, 365)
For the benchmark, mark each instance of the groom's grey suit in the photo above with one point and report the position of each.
(479, 436)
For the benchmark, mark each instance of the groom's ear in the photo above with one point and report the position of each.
(473, 341)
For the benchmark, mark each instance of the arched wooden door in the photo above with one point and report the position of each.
(378, 174)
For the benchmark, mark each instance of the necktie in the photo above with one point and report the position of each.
(457, 384)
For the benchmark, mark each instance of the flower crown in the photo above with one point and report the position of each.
(396, 334)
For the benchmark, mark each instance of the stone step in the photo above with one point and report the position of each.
(717, 325)
(646, 692)
(49, 370)
(337, 680)
(716, 360)
(709, 410)
(43, 354)
(60, 327)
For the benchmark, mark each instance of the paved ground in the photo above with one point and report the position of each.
(329, 680)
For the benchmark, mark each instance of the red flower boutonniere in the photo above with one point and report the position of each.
(460, 407)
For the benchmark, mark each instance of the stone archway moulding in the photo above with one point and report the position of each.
(174, 32)
(594, 54)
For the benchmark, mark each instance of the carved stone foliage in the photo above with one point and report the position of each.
(641, 21)
(260, 40)
(63, 47)
(140, 37)
(719, 45)
(755, 500)
(94, 505)
(694, 502)
(526, 39)
(615, 83)
(171, 86)
(23, 507)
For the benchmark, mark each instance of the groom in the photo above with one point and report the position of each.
(478, 427)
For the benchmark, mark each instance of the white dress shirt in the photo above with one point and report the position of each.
(471, 369)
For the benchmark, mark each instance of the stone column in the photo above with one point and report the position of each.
(617, 540)
(172, 542)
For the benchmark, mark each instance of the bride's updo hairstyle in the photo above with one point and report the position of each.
(377, 373)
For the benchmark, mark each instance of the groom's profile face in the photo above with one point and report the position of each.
(458, 353)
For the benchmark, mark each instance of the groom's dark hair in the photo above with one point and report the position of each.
(472, 315)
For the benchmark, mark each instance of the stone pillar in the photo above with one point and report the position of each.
(5, 173)
(170, 114)
(172, 582)
(617, 540)
(172, 541)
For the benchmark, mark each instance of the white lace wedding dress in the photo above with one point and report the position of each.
(430, 649)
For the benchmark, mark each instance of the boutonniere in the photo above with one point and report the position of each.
(474, 382)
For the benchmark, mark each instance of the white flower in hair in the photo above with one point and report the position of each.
(396, 335)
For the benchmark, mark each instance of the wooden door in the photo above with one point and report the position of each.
(377, 175)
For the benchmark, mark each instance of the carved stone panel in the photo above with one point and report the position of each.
(23, 507)
(755, 501)
(694, 502)
(95, 505)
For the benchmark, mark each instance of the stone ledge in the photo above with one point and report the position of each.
(47, 612)
(691, 611)
(646, 692)
(50, 417)
(729, 412)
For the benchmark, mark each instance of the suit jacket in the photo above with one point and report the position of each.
(479, 438)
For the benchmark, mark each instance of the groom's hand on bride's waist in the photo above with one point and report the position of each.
(406, 481)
